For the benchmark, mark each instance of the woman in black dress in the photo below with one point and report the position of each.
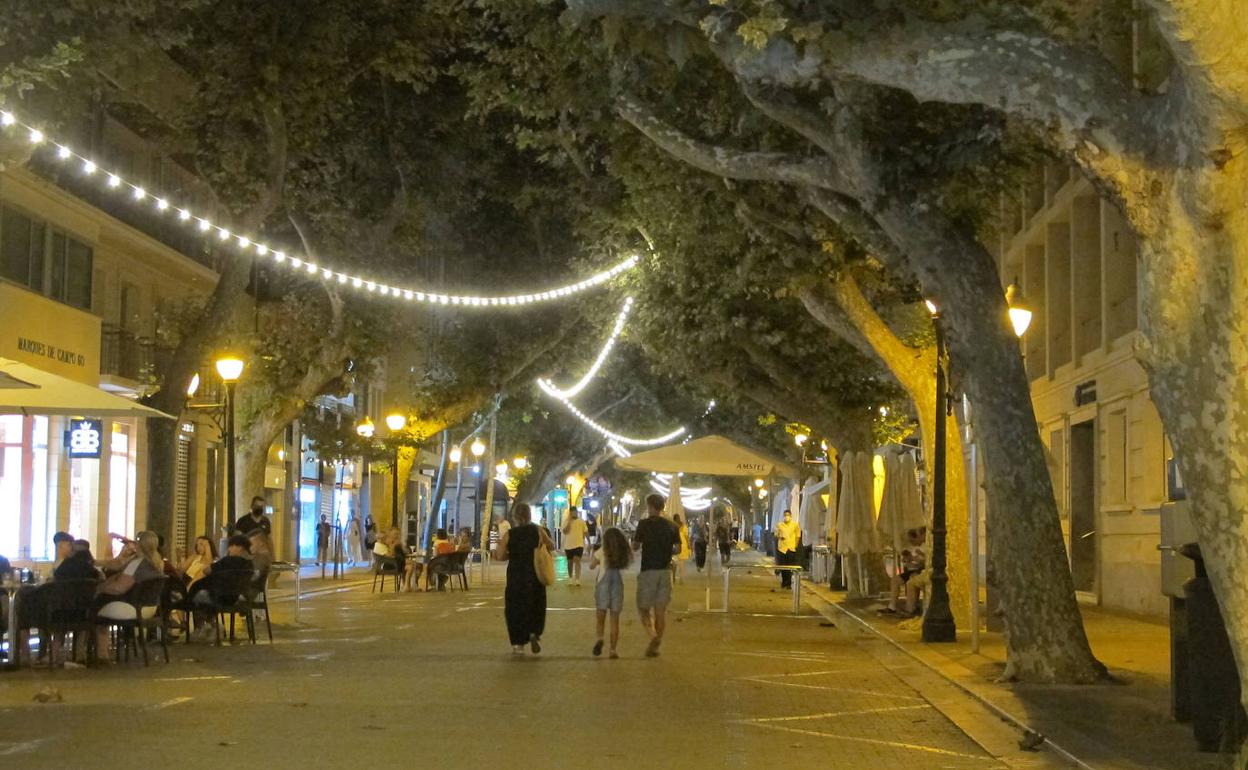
(524, 604)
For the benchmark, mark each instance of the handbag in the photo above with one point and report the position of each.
(544, 565)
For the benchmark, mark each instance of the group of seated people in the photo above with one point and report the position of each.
(390, 546)
(139, 559)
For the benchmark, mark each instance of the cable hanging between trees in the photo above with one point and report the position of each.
(140, 196)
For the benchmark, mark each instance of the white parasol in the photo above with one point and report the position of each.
(899, 507)
(855, 519)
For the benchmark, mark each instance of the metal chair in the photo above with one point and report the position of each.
(69, 608)
(226, 592)
(137, 611)
(382, 566)
(256, 597)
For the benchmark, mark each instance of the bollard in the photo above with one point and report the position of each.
(797, 593)
(727, 572)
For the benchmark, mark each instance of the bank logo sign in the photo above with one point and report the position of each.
(84, 439)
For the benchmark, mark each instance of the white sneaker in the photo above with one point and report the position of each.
(517, 649)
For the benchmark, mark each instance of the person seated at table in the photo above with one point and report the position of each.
(195, 566)
(408, 567)
(463, 541)
(910, 581)
(79, 565)
(206, 591)
(62, 547)
(442, 543)
(261, 550)
(138, 561)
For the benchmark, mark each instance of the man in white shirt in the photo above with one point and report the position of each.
(574, 530)
(787, 534)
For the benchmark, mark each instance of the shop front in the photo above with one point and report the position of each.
(68, 450)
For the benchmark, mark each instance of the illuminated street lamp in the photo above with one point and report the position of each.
(230, 368)
(1019, 310)
(478, 447)
(938, 622)
(395, 422)
(193, 387)
(501, 469)
(520, 463)
(801, 439)
(456, 454)
(570, 480)
(366, 429)
(759, 483)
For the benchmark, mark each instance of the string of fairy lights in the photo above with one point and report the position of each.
(139, 196)
(615, 441)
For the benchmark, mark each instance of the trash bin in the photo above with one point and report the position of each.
(769, 544)
(1218, 719)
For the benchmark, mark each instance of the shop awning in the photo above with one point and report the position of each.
(27, 390)
(709, 456)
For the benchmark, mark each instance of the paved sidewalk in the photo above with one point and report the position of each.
(1122, 726)
(428, 680)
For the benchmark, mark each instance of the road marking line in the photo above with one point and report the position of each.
(831, 714)
(759, 680)
(781, 654)
(804, 673)
(168, 703)
(25, 747)
(191, 678)
(876, 742)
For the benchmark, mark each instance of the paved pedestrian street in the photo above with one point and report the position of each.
(428, 680)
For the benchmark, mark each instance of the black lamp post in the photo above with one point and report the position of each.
(395, 422)
(230, 369)
(938, 623)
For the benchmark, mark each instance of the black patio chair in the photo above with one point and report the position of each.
(69, 609)
(382, 566)
(450, 566)
(256, 597)
(141, 613)
(226, 596)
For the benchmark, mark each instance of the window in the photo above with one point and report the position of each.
(21, 249)
(59, 267)
(71, 271)
(1115, 489)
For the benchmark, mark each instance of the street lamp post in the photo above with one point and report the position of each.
(230, 368)
(938, 623)
(395, 422)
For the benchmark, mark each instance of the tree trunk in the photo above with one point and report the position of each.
(487, 515)
(439, 490)
(1045, 640)
(915, 370)
(1194, 319)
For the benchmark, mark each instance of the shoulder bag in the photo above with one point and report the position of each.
(544, 565)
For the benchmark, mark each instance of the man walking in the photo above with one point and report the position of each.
(574, 530)
(787, 535)
(323, 531)
(657, 539)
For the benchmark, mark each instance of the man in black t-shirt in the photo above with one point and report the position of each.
(253, 519)
(658, 540)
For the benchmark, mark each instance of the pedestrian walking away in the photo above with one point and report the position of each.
(323, 531)
(699, 536)
(723, 541)
(658, 541)
(574, 531)
(788, 533)
(524, 599)
(611, 559)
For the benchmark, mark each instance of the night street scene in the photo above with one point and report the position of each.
(852, 384)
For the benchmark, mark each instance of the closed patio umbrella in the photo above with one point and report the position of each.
(855, 517)
(899, 506)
